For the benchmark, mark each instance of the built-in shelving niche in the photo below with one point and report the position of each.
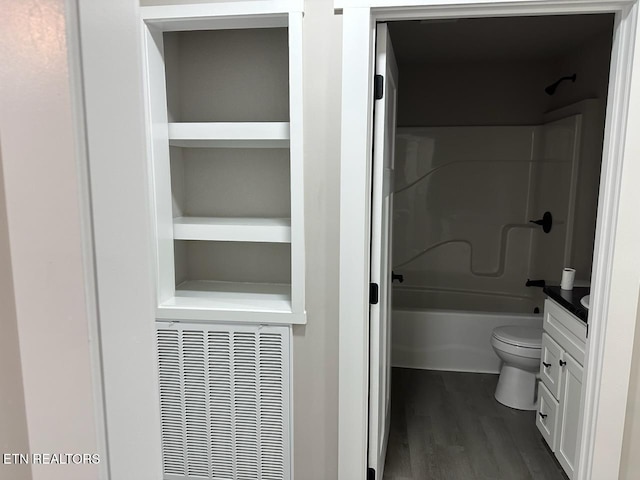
(224, 97)
(229, 232)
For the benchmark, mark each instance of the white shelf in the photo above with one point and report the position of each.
(225, 229)
(229, 134)
(230, 301)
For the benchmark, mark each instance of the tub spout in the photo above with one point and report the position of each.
(397, 276)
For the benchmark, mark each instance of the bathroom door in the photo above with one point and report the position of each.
(381, 219)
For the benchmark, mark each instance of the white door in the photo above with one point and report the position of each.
(381, 218)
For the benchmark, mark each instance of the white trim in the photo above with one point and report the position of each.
(408, 8)
(296, 163)
(609, 354)
(610, 346)
(113, 89)
(221, 15)
(220, 9)
(355, 231)
(157, 150)
(161, 134)
(86, 233)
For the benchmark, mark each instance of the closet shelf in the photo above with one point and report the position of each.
(229, 134)
(237, 229)
(203, 300)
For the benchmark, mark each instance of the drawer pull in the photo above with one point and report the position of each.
(562, 363)
(546, 365)
(542, 415)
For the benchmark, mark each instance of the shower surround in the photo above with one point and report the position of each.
(464, 199)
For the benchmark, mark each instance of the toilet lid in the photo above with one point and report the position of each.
(530, 337)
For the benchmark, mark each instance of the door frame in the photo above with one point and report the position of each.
(616, 263)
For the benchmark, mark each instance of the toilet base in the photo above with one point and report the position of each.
(517, 388)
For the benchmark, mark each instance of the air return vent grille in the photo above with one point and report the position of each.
(224, 401)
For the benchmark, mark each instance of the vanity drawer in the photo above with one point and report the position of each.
(547, 416)
(566, 329)
(550, 371)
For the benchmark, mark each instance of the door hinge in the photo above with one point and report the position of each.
(378, 87)
(373, 293)
(371, 474)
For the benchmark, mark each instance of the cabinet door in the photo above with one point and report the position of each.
(550, 370)
(570, 406)
(547, 416)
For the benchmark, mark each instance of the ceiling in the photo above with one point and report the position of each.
(495, 39)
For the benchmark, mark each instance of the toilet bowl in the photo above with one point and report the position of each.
(519, 349)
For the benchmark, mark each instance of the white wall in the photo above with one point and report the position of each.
(44, 223)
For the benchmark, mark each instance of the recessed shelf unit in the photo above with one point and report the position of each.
(224, 94)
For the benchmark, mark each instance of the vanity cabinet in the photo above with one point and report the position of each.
(560, 386)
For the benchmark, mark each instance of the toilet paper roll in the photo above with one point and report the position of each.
(568, 275)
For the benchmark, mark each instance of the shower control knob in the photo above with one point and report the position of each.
(546, 222)
(562, 363)
(546, 365)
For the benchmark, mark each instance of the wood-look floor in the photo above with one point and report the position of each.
(448, 426)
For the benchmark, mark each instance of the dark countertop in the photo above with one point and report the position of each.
(569, 299)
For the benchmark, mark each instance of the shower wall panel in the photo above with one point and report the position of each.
(463, 200)
(554, 180)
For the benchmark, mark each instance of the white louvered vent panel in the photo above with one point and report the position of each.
(195, 399)
(221, 403)
(224, 398)
(171, 418)
(271, 406)
(245, 389)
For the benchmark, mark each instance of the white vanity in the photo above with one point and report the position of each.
(560, 385)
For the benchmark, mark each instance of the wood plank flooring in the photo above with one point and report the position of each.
(448, 426)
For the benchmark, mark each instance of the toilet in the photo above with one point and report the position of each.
(519, 349)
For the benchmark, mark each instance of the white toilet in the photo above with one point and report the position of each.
(519, 350)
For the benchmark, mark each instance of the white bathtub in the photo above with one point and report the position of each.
(450, 338)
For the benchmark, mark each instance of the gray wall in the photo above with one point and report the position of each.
(630, 463)
(13, 419)
(466, 94)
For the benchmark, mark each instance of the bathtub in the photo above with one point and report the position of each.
(439, 330)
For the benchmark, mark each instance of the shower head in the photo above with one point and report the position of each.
(551, 89)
